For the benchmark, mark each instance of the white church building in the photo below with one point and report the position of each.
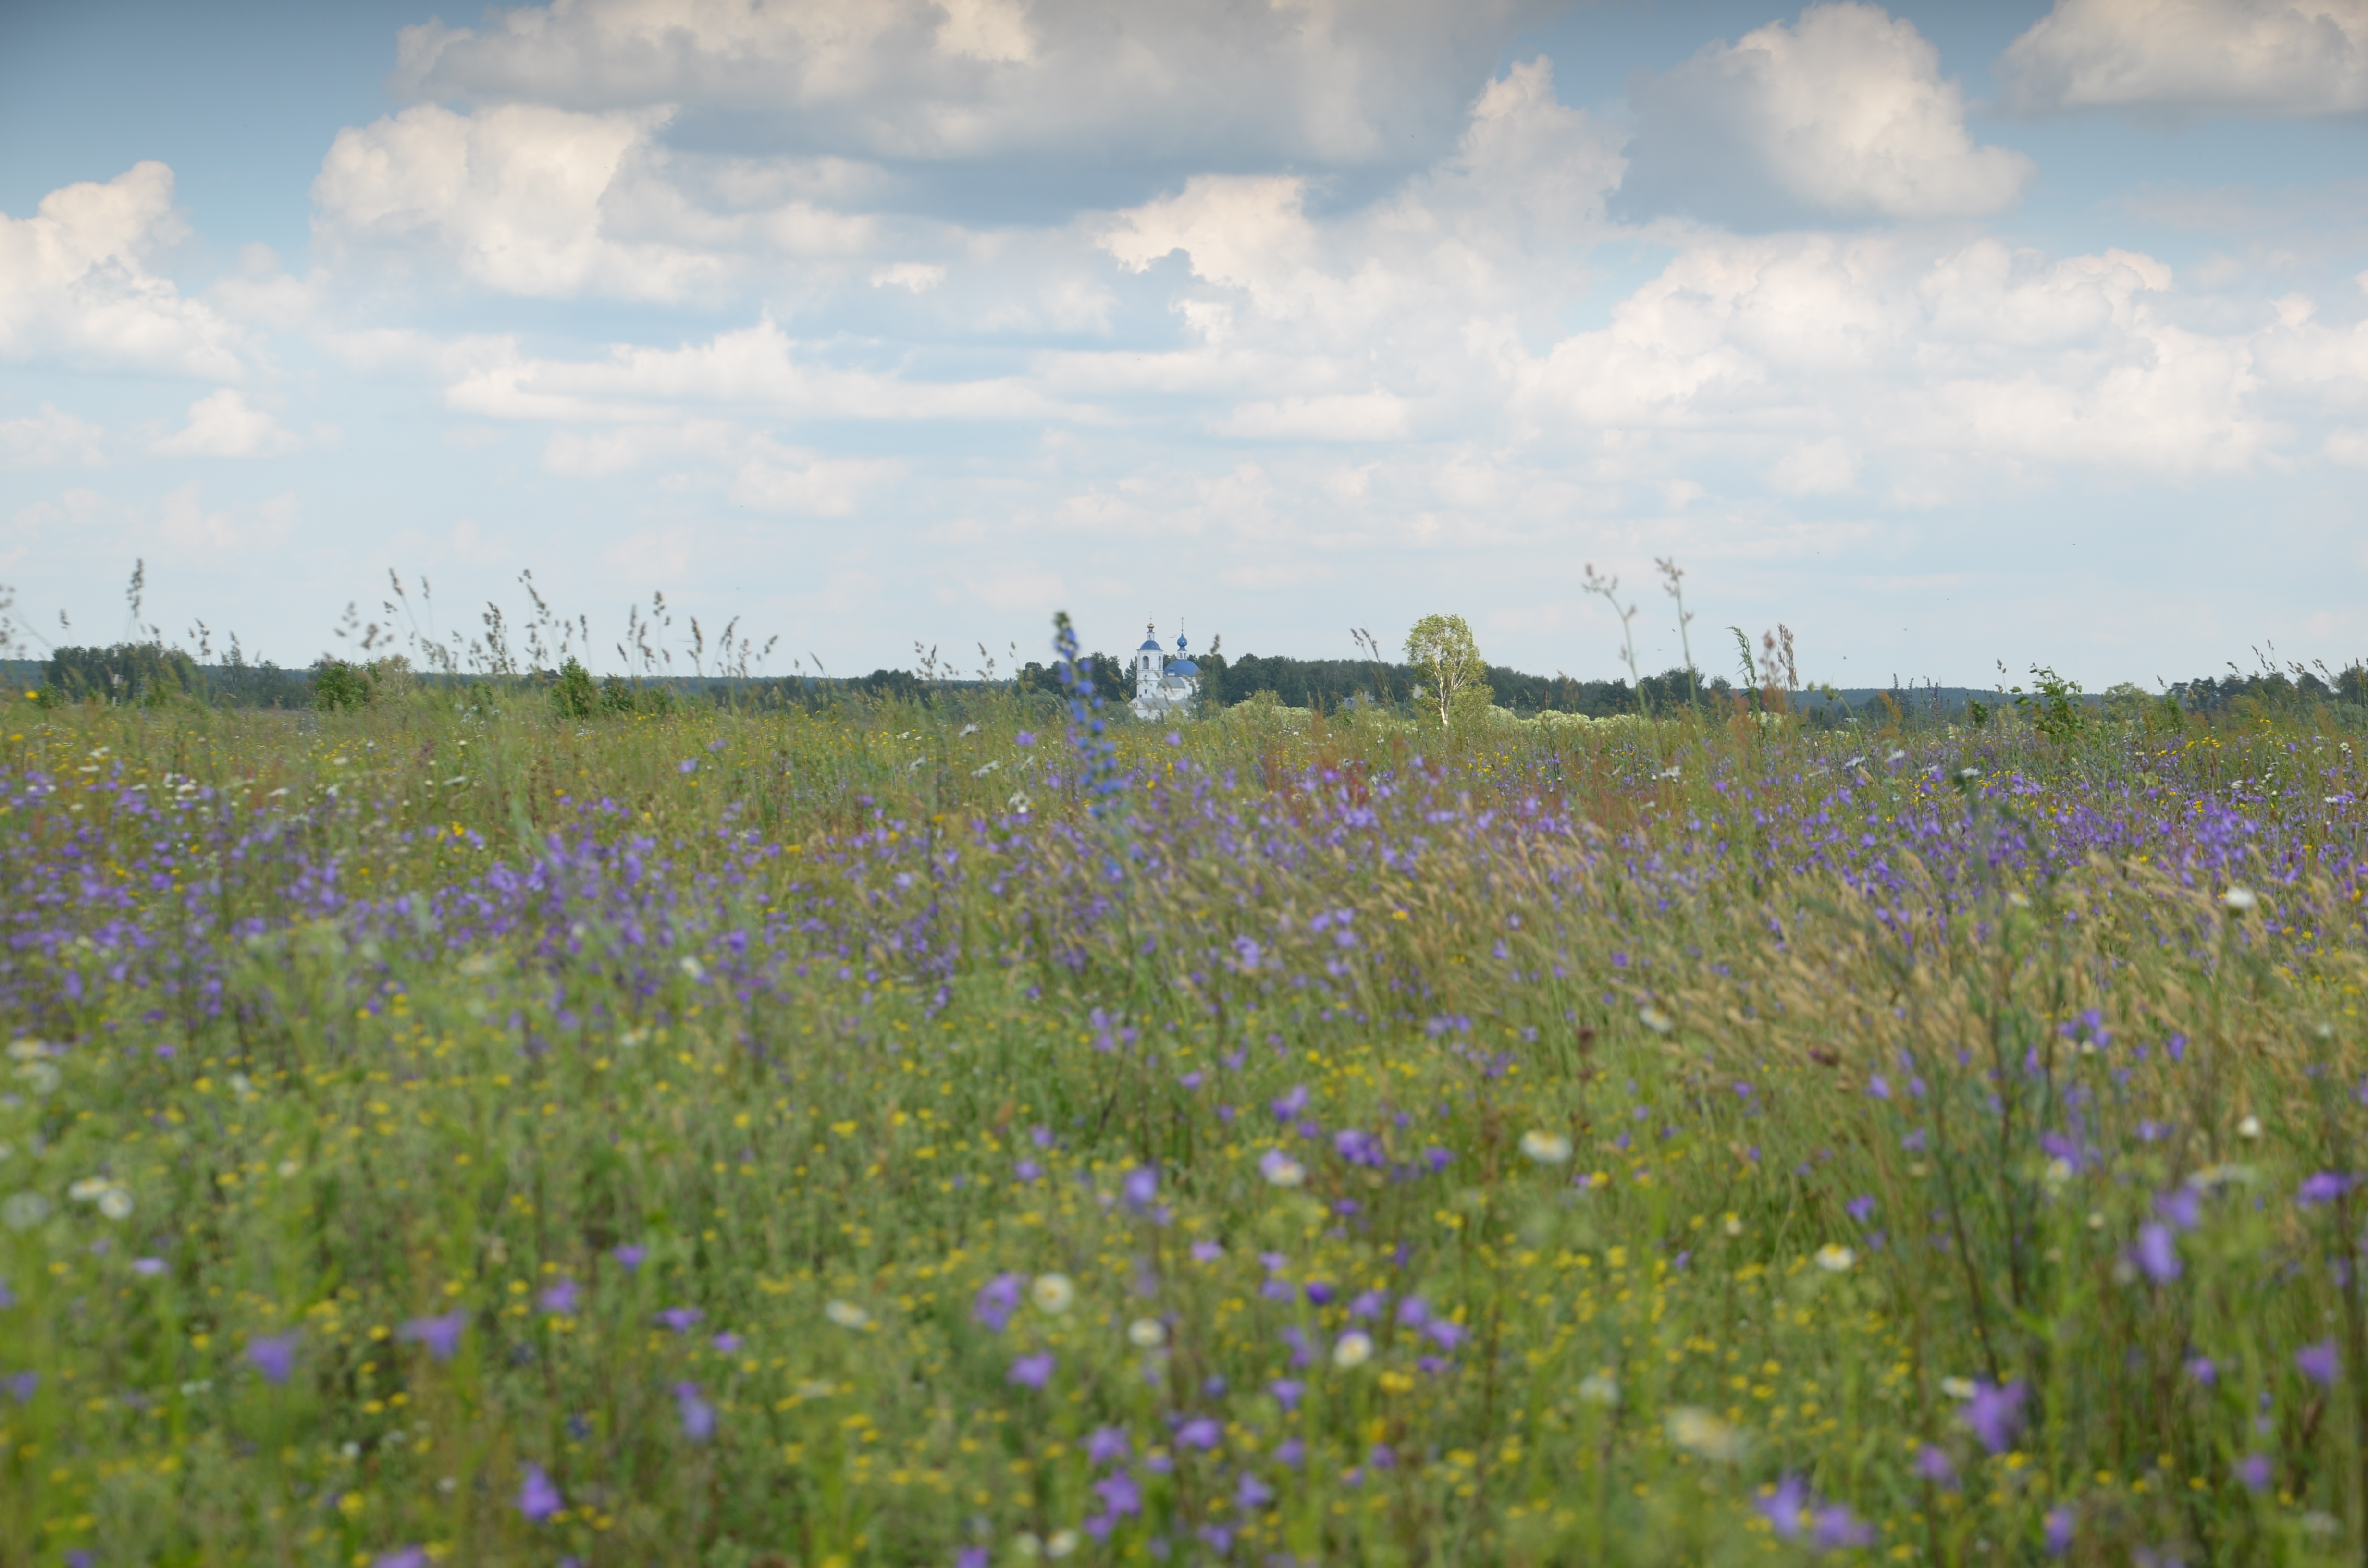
(1164, 688)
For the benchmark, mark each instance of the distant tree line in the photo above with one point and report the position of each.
(1329, 684)
(150, 673)
(2274, 689)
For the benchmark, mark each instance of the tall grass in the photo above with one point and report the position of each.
(446, 1132)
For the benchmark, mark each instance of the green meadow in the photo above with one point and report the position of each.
(949, 1132)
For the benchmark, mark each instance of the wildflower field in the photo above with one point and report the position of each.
(950, 1134)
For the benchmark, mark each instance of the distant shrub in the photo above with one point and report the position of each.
(901, 685)
(339, 685)
(1263, 710)
(2128, 703)
(572, 695)
(347, 685)
(2052, 705)
(391, 677)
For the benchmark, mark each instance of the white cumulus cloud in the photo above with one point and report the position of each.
(2188, 57)
(915, 277)
(1843, 114)
(52, 438)
(522, 199)
(1245, 231)
(1082, 81)
(993, 30)
(755, 471)
(2323, 361)
(77, 287)
(222, 424)
(260, 294)
(553, 203)
(1815, 467)
(605, 452)
(803, 484)
(188, 530)
(1972, 349)
(1293, 317)
(1359, 417)
(757, 370)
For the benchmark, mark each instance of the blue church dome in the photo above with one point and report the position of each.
(1182, 667)
(1150, 645)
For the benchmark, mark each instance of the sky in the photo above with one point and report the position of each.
(1953, 337)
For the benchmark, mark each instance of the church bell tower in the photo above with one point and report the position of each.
(1149, 664)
